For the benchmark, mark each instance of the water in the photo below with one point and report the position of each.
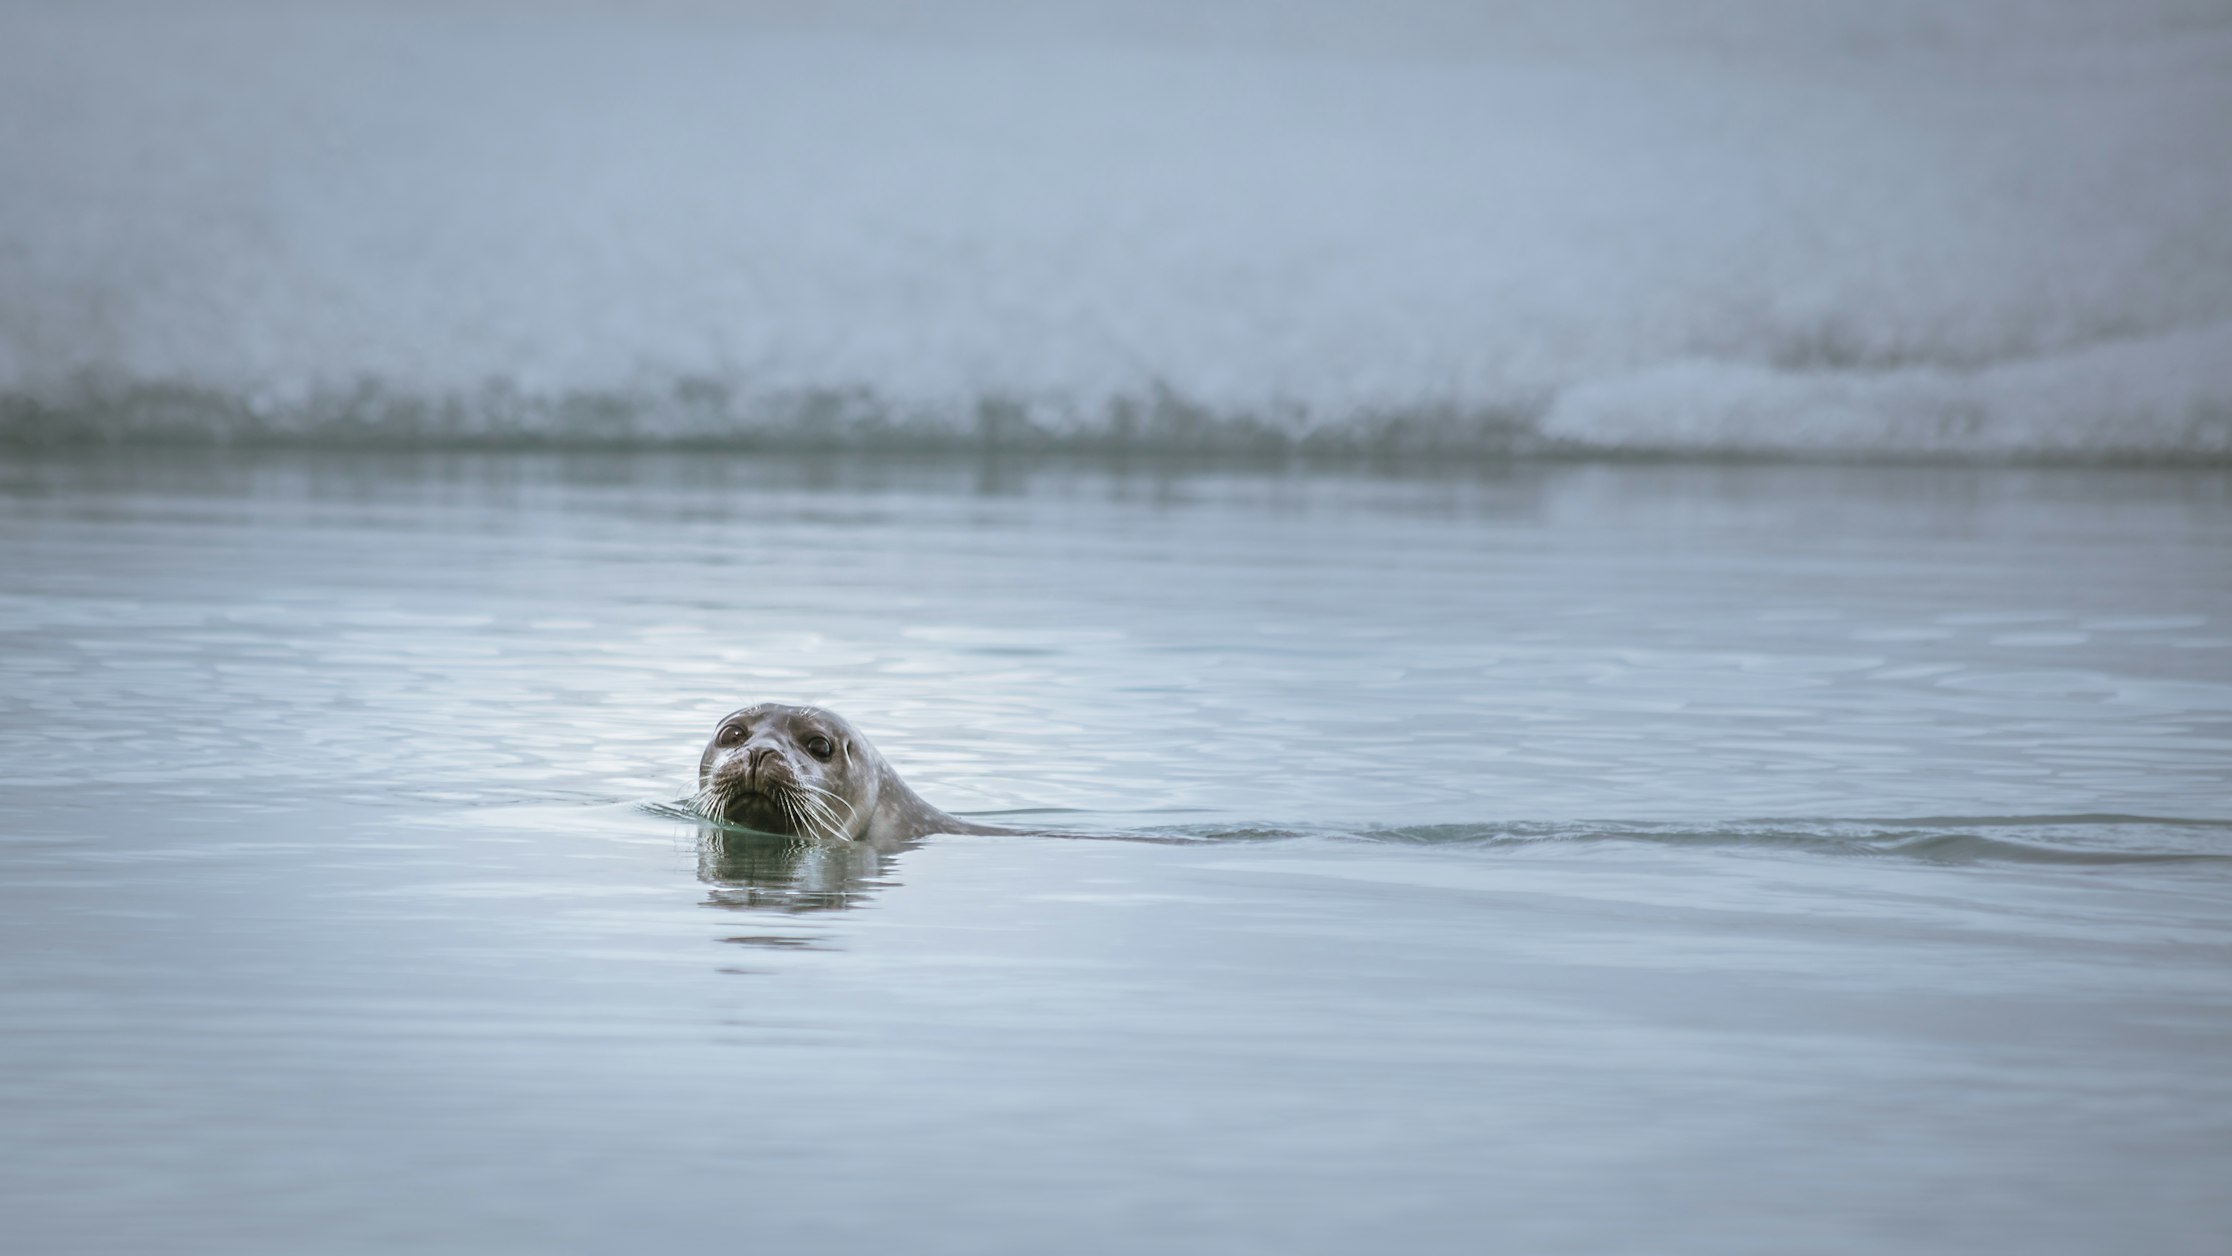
(1559, 858)
(1757, 226)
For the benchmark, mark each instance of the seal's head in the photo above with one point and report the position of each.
(801, 771)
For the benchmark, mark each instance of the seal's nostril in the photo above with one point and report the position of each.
(755, 762)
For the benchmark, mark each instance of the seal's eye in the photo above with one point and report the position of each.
(820, 747)
(731, 735)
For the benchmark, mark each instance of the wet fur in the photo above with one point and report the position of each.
(770, 781)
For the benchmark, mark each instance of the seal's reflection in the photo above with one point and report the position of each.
(771, 872)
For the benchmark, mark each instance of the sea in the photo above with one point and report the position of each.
(1610, 624)
(1552, 858)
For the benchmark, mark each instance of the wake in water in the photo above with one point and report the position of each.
(2010, 839)
(2072, 839)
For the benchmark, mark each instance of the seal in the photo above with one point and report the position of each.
(806, 772)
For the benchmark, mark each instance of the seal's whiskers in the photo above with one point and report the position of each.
(824, 799)
(807, 772)
(812, 814)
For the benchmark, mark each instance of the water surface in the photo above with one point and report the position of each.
(1588, 858)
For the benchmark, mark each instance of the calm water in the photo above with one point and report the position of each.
(1583, 858)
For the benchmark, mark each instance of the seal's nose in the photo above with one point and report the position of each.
(753, 758)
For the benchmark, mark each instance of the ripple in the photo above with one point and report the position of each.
(2078, 840)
